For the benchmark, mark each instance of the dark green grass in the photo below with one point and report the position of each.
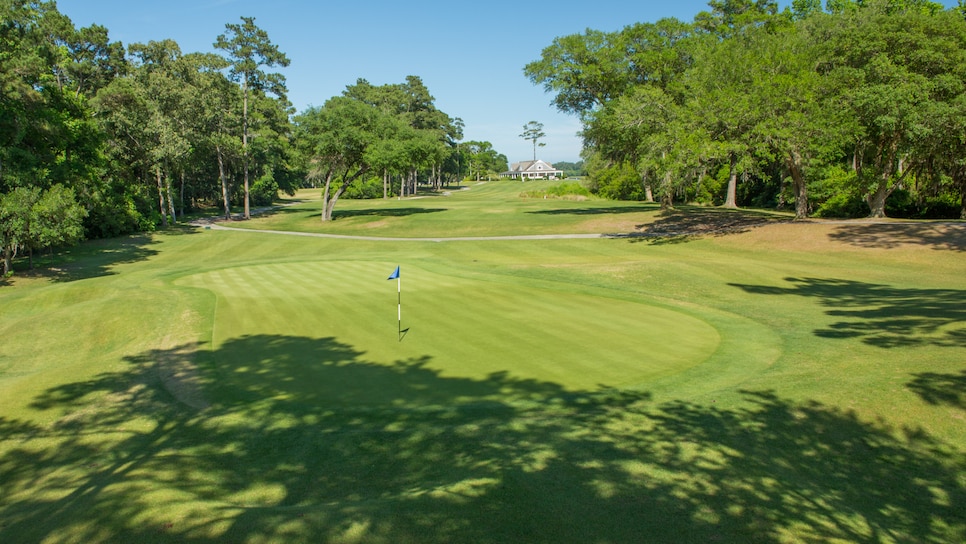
(789, 383)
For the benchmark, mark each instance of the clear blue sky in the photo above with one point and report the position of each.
(469, 54)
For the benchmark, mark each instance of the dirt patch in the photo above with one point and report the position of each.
(383, 223)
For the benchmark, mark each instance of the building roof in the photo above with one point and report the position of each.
(533, 166)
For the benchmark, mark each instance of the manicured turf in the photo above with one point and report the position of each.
(785, 382)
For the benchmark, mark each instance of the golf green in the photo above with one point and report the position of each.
(461, 327)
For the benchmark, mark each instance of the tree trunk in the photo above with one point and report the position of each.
(164, 213)
(224, 182)
(182, 194)
(245, 142)
(667, 193)
(326, 211)
(877, 200)
(731, 200)
(330, 205)
(167, 185)
(798, 184)
(7, 258)
(385, 184)
(648, 192)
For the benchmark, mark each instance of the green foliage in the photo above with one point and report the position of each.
(569, 190)
(836, 194)
(368, 188)
(264, 191)
(115, 214)
(773, 96)
(32, 219)
(619, 182)
(571, 169)
(708, 190)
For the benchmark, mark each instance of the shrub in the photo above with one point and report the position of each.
(567, 191)
(264, 191)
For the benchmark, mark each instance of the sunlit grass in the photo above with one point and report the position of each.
(496, 208)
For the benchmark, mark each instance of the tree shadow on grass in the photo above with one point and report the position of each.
(305, 440)
(597, 210)
(941, 389)
(384, 212)
(882, 315)
(940, 236)
(684, 224)
(90, 259)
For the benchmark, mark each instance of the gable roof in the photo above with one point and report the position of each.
(533, 166)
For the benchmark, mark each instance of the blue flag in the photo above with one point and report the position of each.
(394, 275)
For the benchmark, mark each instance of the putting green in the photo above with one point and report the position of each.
(457, 327)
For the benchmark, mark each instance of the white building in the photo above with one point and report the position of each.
(532, 170)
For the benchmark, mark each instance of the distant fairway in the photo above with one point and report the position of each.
(719, 376)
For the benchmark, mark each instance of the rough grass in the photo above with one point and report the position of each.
(750, 381)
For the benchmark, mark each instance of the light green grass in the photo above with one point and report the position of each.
(789, 383)
(494, 208)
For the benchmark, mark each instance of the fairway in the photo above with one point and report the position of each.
(769, 381)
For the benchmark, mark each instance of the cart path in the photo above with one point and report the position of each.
(218, 223)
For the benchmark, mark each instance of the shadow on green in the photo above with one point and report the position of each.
(301, 439)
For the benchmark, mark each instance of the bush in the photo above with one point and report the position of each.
(264, 191)
(834, 191)
(114, 213)
(367, 189)
(843, 205)
(619, 182)
(904, 204)
(570, 190)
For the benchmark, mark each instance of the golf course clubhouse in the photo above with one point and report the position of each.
(532, 170)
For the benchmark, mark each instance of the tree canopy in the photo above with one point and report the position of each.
(137, 136)
(824, 108)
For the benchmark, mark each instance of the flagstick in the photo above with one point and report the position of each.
(399, 304)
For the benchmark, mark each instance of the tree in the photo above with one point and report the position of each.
(583, 70)
(249, 48)
(16, 213)
(483, 159)
(730, 17)
(341, 140)
(642, 126)
(426, 146)
(532, 132)
(888, 65)
(32, 219)
(458, 126)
